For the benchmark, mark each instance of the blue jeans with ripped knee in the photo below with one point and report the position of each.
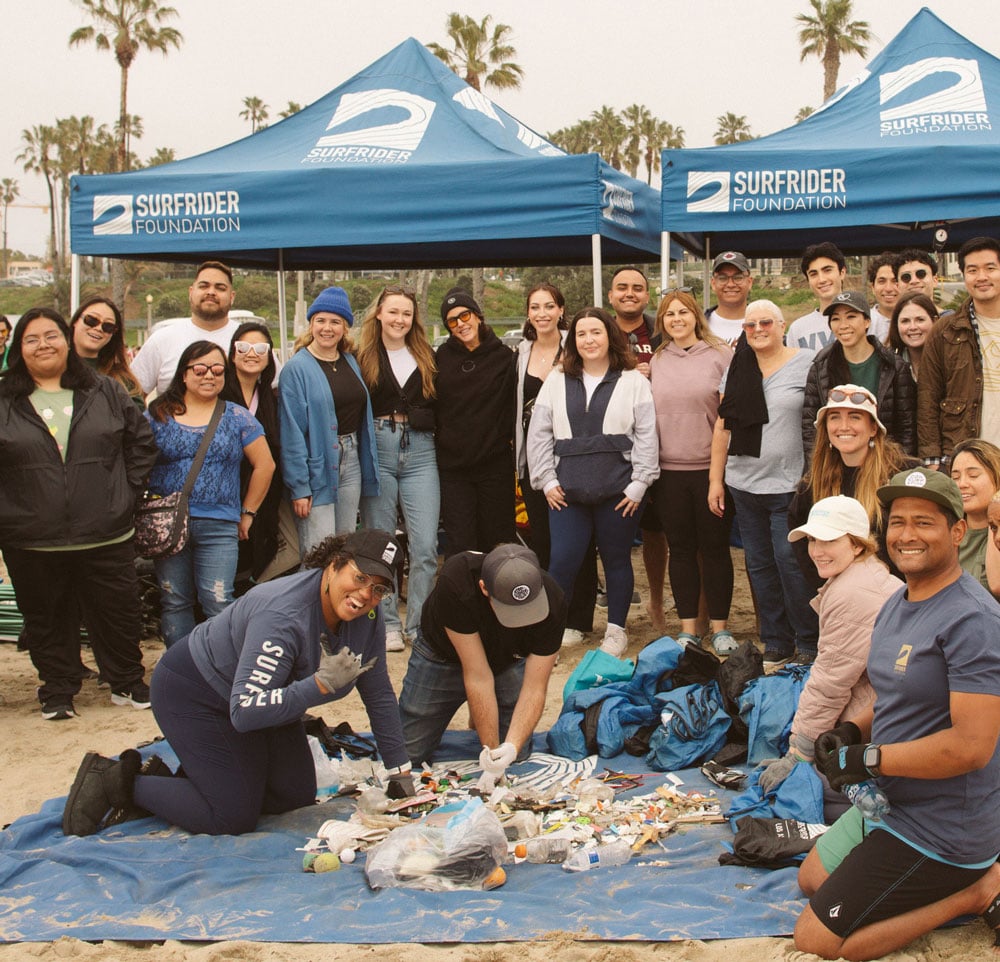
(203, 571)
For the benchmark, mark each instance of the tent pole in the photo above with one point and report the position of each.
(664, 261)
(705, 275)
(282, 318)
(74, 283)
(595, 257)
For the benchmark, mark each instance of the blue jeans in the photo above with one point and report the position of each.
(408, 476)
(787, 620)
(341, 517)
(203, 571)
(571, 530)
(434, 689)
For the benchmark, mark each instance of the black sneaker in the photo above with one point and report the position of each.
(136, 695)
(58, 708)
(101, 785)
(803, 657)
(87, 674)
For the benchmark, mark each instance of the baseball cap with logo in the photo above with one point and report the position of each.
(924, 483)
(376, 553)
(731, 257)
(832, 518)
(513, 579)
(854, 299)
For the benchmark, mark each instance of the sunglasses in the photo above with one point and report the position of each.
(200, 370)
(246, 347)
(764, 323)
(107, 327)
(463, 318)
(920, 274)
(855, 397)
(677, 290)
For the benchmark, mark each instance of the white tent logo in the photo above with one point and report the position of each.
(405, 134)
(715, 203)
(956, 101)
(121, 222)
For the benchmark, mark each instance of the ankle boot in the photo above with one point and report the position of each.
(101, 784)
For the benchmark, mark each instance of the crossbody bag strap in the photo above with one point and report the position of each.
(199, 460)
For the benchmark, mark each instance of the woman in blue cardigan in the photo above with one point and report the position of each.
(328, 457)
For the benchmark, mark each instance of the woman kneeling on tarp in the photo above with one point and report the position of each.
(230, 698)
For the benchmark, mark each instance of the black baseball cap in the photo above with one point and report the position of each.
(377, 553)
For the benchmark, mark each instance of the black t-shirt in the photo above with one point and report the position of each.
(458, 603)
(350, 397)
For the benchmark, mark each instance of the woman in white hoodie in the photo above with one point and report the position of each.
(685, 374)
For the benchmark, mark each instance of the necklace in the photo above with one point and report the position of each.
(332, 361)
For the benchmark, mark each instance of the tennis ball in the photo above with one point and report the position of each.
(347, 855)
(326, 862)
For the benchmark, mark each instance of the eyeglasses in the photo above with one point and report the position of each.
(764, 324)
(200, 370)
(855, 397)
(920, 273)
(363, 581)
(246, 347)
(463, 318)
(33, 340)
(733, 276)
(107, 327)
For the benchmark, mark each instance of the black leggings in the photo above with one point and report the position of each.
(230, 778)
(692, 529)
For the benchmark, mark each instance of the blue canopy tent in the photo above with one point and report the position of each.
(403, 165)
(909, 148)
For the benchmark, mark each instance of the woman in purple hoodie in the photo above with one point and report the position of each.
(685, 374)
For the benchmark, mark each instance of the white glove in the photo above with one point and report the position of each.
(505, 755)
(338, 670)
(494, 762)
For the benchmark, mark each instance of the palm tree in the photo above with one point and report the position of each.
(658, 136)
(828, 34)
(803, 113)
(731, 129)
(125, 27)
(9, 192)
(132, 128)
(292, 108)
(481, 57)
(609, 135)
(37, 156)
(255, 111)
(578, 139)
(163, 155)
(635, 117)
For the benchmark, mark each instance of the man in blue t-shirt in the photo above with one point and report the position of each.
(930, 744)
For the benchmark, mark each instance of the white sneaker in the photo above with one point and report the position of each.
(571, 638)
(615, 641)
(394, 641)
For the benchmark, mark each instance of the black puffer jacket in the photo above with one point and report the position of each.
(896, 396)
(92, 496)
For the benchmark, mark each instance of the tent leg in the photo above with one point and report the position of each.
(664, 261)
(595, 257)
(74, 283)
(282, 313)
(706, 271)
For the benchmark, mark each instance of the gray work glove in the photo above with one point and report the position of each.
(338, 670)
(778, 769)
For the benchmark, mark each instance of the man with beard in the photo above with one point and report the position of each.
(211, 297)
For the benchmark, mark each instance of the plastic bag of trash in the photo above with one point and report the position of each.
(456, 846)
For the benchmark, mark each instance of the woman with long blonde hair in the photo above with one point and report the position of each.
(398, 368)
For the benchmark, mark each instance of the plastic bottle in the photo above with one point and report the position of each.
(869, 799)
(617, 852)
(555, 850)
(591, 792)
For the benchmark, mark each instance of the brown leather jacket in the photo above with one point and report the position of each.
(950, 389)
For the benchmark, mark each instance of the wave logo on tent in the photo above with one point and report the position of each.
(177, 212)
(757, 191)
(382, 126)
(935, 95)
(618, 204)
(119, 206)
(472, 99)
(716, 181)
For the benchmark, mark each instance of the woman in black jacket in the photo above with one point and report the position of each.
(475, 429)
(856, 357)
(74, 456)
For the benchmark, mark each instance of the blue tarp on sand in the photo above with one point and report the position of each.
(147, 881)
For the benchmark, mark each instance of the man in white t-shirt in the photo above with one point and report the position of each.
(731, 283)
(211, 296)
(882, 277)
(825, 268)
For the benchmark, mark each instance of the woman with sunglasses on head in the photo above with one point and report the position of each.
(397, 365)
(230, 697)
(99, 338)
(475, 421)
(250, 376)
(853, 456)
(685, 374)
(912, 319)
(328, 455)
(592, 450)
(74, 456)
(204, 569)
(757, 455)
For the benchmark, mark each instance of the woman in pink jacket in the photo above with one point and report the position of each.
(857, 585)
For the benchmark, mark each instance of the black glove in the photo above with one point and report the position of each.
(401, 786)
(845, 766)
(846, 733)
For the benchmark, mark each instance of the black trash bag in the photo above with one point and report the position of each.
(638, 744)
(697, 666)
(771, 842)
(588, 725)
(740, 668)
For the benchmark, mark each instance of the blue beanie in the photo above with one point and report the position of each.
(333, 300)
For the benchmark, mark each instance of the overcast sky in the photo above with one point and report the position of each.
(688, 61)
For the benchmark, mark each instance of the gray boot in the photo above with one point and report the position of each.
(101, 784)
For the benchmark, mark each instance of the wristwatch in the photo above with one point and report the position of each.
(873, 760)
(253, 514)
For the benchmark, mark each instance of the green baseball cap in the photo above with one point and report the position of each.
(924, 483)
